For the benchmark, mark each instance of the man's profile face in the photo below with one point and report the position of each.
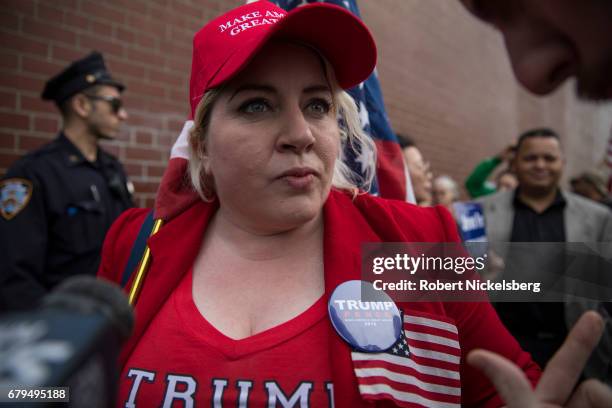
(549, 41)
(539, 163)
(103, 121)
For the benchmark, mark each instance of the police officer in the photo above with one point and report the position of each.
(56, 203)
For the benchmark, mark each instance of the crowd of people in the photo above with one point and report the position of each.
(522, 201)
(232, 306)
(491, 175)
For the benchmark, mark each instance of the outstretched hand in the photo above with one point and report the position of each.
(556, 386)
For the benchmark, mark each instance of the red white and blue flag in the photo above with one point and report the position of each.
(421, 370)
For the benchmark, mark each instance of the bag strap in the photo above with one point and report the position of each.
(138, 248)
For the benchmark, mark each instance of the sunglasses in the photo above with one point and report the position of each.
(115, 103)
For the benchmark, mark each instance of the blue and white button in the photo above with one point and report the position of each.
(364, 317)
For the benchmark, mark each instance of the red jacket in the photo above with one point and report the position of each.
(348, 223)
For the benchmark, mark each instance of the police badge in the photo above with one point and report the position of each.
(15, 193)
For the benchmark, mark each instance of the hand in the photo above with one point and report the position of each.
(558, 379)
(507, 154)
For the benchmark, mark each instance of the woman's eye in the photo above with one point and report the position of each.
(254, 106)
(319, 106)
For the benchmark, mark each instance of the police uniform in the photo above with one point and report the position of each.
(55, 205)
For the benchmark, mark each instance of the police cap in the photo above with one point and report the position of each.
(80, 75)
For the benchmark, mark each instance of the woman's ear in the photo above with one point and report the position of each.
(205, 164)
(199, 146)
(208, 179)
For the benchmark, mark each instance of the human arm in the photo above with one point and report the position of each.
(23, 239)
(480, 327)
(488, 348)
(476, 182)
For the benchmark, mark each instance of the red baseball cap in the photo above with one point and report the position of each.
(227, 44)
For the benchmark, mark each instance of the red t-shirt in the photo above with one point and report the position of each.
(439, 335)
(182, 358)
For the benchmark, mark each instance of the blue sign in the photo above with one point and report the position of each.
(471, 221)
(472, 228)
(372, 325)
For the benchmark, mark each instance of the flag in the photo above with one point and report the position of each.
(175, 193)
(422, 369)
(392, 179)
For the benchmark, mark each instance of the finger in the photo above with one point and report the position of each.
(564, 368)
(592, 394)
(508, 379)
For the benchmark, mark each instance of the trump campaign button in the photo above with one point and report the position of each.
(364, 317)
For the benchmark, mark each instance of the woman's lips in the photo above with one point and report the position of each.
(299, 182)
(299, 177)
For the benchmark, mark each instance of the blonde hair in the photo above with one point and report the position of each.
(352, 136)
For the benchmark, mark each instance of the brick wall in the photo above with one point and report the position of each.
(146, 44)
(445, 79)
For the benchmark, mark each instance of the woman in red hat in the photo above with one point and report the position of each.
(233, 309)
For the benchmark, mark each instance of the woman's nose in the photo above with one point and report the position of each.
(296, 135)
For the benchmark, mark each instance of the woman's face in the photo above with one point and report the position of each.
(273, 139)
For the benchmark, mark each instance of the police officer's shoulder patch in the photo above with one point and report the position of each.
(15, 193)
